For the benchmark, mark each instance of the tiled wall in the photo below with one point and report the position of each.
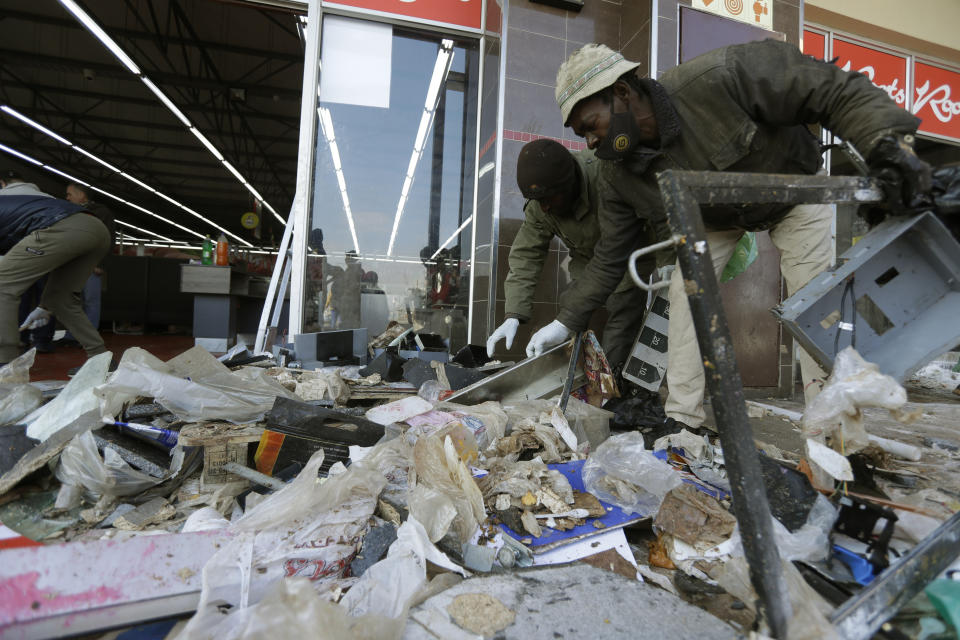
(539, 39)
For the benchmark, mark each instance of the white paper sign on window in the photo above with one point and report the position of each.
(355, 62)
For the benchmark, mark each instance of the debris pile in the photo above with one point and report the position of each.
(349, 502)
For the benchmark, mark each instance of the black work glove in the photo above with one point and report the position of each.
(906, 179)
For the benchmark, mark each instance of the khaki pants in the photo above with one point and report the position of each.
(803, 239)
(68, 250)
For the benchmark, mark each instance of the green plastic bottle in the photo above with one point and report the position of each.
(207, 255)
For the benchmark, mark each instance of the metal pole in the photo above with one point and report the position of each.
(750, 504)
(571, 372)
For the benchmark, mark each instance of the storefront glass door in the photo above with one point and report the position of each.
(392, 200)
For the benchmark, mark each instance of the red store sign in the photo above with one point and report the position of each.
(885, 70)
(934, 90)
(936, 99)
(463, 13)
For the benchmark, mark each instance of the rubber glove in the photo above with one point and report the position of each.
(905, 178)
(552, 334)
(37, 318)
(506, 330)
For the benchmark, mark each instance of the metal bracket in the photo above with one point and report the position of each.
(674, 241)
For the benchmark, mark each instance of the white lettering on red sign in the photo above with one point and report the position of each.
(896, 94)
(941, 105)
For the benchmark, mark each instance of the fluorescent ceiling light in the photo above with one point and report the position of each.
(23, 156)
(138, 182)
(108, 194)
(151, 233)
(72, 178)
(35, 124)
(326, 124)
(209, 145)
(232, 170)
(66, 175)
(452, 236)
(165, 100)
(101, 35)
(97, 159)
(441, 69)
(128, 62)
(126, 175)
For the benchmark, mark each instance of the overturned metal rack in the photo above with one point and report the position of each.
(683, 193)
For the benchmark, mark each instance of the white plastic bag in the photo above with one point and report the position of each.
(17, 371)
(293, 609)
(589, 423)
(622, 472)
(809, 543)
(323, 386)
(17, 397)
(193, 385)
(434, 509)
(439, 467)
(81, 465)
(309, 528)
(18, 400)
(387, 588)
(835, 415)
(205, 519)
(491, 418)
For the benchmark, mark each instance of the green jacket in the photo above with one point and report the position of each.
(738, 108)
(579, 232)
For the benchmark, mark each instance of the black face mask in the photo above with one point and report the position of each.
(623, 135)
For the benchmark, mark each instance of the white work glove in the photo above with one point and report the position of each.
(552, 334)
(507, 330)
(37, 318)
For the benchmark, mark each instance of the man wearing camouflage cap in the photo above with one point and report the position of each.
(562, 202)
(738, 108)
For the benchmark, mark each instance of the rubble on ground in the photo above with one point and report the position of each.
(350, 502)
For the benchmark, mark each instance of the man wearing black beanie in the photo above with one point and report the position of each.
(562, 202)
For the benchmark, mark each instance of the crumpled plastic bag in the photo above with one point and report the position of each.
(309, 529)
(491, 416)
(205, 519)
(622, 472)
(809, 543)
(17, 401)
(387, 588)
(73, 401)
(744, 255)
(293, 609)
(589, 423)
(322, 386)
(835, 415)
(809, 611)
(17, 371)
(438, 466)
(81, 465)
(193, 385)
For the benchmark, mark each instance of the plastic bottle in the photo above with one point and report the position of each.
(207, 253)
(223, 251)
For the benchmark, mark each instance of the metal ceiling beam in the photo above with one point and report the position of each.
(133, 34)
(64, 64)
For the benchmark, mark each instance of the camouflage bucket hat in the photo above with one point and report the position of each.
(588, 70)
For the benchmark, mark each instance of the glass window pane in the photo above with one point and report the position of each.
(393, 196)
